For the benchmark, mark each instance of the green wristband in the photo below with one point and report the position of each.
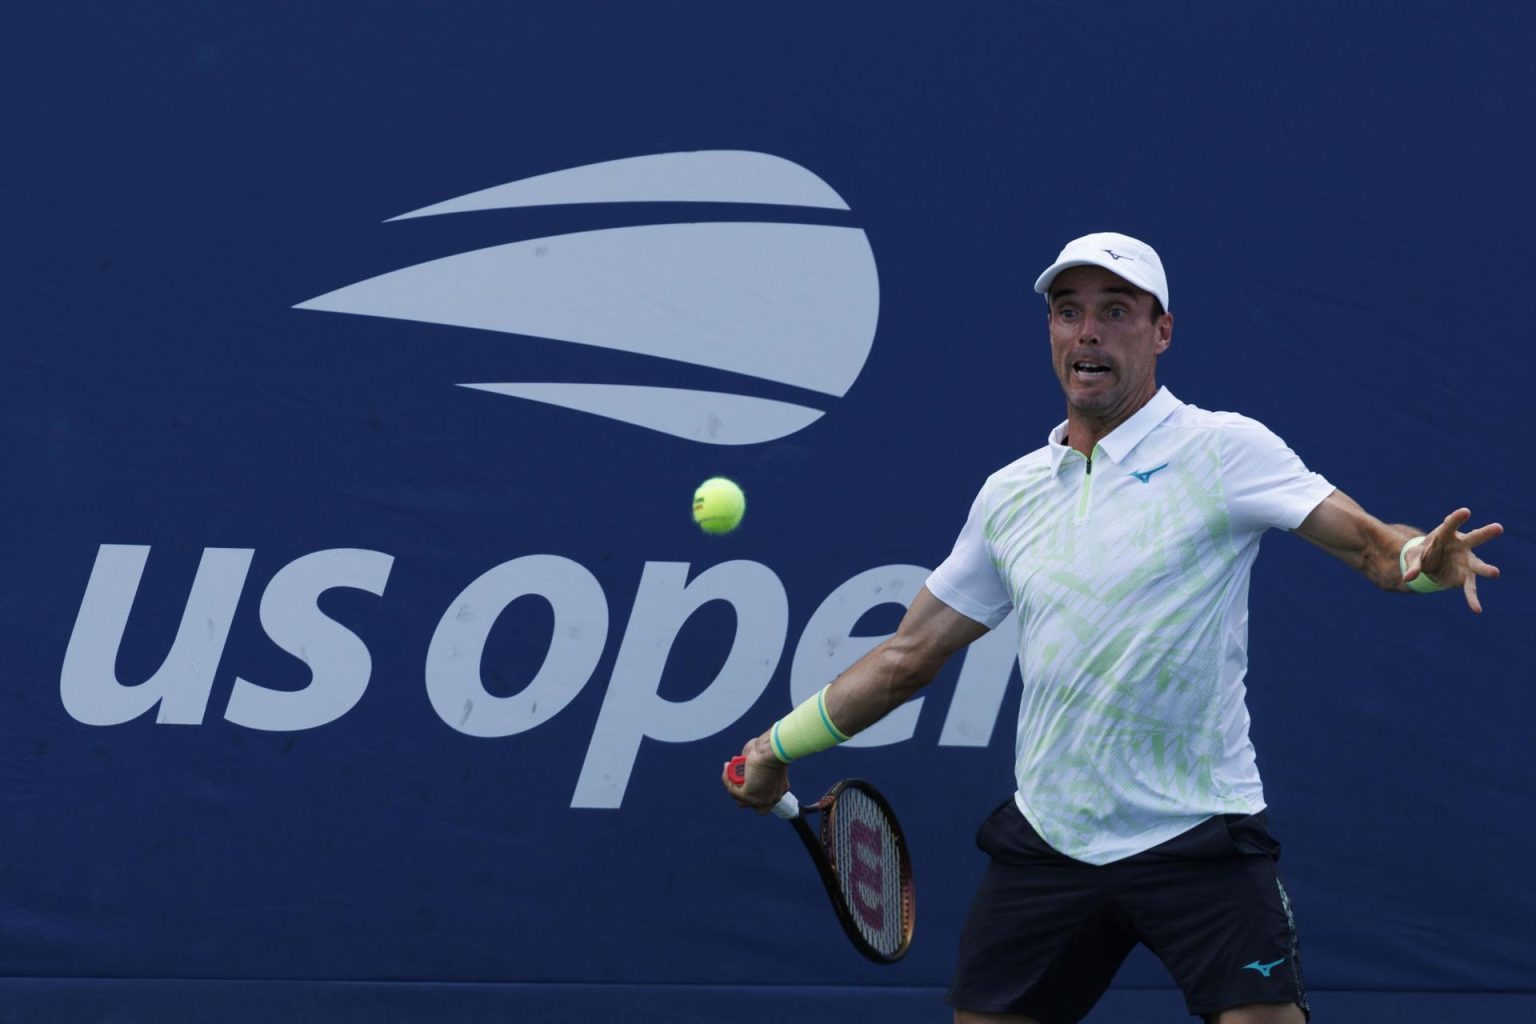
(806, 730)
(1420, 584)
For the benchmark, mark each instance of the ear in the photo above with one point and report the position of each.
(1164, 333)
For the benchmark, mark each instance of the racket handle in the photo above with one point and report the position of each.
(787, 808)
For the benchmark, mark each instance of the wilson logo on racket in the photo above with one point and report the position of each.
(791, 304)
(868, 878)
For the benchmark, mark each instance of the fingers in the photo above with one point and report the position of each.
(1470, 589)
(730, 784)
(1451, 523)
(749, 792)
(1482, 534)
(737, 790)
(1442, 540)
(1477, 567)
(1445, 546)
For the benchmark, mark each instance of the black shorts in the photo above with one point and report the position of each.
(1046, 933)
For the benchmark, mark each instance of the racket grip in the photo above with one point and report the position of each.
(787, 808)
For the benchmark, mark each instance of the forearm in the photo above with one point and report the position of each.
(1358, 539)
(879, 683)
(874, 686)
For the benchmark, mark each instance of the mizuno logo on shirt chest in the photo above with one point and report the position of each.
(1145, 476)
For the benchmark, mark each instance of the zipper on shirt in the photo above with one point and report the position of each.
(1085, 494)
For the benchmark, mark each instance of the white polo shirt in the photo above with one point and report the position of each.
(1128, 575)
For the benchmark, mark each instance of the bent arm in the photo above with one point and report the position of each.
(874, 686)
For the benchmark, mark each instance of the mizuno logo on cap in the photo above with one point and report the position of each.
(1116, 256)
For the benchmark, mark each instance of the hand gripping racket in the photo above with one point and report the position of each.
(863, 860)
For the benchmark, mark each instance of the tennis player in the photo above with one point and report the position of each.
(1123, 549)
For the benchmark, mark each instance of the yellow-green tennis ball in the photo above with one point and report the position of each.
(718, 505)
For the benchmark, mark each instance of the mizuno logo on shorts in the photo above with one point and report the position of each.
(1263, 969)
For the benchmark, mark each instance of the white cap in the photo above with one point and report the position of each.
(1121, 255)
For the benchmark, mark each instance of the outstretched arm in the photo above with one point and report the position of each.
(872, 688)
(1348, 532)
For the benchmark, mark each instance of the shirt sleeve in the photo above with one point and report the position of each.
(1266, 484)
(968, 580)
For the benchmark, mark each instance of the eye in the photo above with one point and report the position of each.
(1118, 313)
(1066, 313)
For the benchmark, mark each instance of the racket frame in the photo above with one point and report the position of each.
(819, 844)
(822, 850)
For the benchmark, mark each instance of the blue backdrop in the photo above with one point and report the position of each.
(335, 690)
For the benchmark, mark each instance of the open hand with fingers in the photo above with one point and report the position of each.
(1445, 556)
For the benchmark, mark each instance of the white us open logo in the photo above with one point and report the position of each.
(795, 304)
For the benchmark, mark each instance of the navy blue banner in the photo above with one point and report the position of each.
(362, 660)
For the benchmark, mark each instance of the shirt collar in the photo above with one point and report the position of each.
(1120, 442)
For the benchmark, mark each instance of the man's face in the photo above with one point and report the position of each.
(1104, 342)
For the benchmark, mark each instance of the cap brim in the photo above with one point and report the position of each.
(1043, 283)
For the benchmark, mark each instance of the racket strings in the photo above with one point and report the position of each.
(869, 870)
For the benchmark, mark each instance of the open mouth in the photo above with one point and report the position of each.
(1088, 370)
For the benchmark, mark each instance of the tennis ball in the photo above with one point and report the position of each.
(718, 505)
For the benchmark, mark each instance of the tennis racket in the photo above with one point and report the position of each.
(862, 857)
